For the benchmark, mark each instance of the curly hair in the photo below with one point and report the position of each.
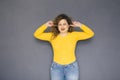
(54, 28)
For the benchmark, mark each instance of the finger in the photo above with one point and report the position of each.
(72, 25)
(74, 21)
(51, 23)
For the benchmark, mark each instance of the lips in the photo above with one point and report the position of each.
(62, 29)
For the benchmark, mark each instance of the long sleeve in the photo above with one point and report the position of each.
(85, 34)
(40, 34)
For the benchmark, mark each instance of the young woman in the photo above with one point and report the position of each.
(63, 40)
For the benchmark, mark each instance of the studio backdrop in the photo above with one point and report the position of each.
(23, 57)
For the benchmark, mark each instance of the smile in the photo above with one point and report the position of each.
(62, 29)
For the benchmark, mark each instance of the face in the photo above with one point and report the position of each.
(63, 26)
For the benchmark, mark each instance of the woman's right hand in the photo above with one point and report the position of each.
(49, 23)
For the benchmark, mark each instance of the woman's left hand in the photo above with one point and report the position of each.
(76, 24)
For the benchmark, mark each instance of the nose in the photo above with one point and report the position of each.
(63, 25)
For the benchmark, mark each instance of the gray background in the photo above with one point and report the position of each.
(22, 57)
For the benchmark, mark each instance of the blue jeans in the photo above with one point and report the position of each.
(65, 72)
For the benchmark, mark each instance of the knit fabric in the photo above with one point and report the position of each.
(64, 46)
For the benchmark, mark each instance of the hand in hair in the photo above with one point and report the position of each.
(76, 24)
(49, 23)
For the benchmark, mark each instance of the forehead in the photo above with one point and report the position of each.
(63, 21)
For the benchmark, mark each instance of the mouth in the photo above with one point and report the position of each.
(62, 29)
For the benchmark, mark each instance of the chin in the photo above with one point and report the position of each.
(63, 31)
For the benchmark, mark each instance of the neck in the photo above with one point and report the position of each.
(64, 34)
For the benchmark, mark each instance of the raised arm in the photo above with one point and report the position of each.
(40, 34)
(85, 34)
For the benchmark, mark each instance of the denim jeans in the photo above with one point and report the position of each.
(65, 72)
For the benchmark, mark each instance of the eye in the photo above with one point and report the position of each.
(59, 24)
(64, 24)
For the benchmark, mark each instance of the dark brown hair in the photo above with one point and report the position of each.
(56, 21)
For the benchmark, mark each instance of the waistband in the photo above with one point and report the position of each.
(55, 63)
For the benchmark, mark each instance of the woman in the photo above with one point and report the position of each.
(63, 40)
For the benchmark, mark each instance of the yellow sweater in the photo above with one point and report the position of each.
(64, 46)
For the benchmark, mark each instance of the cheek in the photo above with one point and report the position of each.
(67, 27)
(59, 27)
